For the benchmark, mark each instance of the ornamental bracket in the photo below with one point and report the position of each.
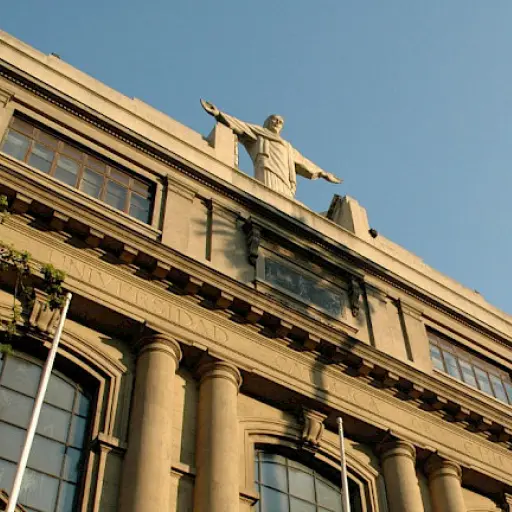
(253, 238)
(354, 296)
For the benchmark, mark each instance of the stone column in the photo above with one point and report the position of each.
(217, 478)
(402, 487)
(147, 466)
(444, 479)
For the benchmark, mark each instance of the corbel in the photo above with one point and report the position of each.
(58, 221)
(313, 428)
(42, 317)
(354, 296)
(94, 238)
(128, 254)
(253, 239)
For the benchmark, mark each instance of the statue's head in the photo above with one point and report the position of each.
(274, 123)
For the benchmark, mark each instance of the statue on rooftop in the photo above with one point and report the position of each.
(276, 161)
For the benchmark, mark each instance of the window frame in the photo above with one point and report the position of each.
(446, 345)
(317, 469)
(78, 390)
(85, 161)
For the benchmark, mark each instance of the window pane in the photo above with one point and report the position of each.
(139, 207)
(78, 431)
(60, 393)
(274, 475)
(508, 388)
(83, 405)
(46, 456)
(301, 484)
(301, 506)
(16, 145)
(48, 140)
(116, 195)
(451, 365)
(467, 373)
(273, 501)
(54, 423)
(39, 491)
(437, 359)
(67, 170)
(66, 498)
(22, 126)
(12, 439)
(140, 188)
(21, 375)
(72, 464)
(119, 176)
(328, 497)
(483, 380)
(91, 183)
(95, 164)
(15, 408)
(72, 152)
(7, 471)
(41, 157)
(499, 390)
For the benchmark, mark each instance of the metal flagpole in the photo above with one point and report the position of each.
(36, 411)
(345, 503)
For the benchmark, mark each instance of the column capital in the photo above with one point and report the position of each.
(160, 343)
(436, 467)
(220, 370)
(398, 448)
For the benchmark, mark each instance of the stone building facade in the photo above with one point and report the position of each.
(218, 329)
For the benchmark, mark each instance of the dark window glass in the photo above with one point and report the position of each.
(16, 145)
(451, 365)
(498, 388)
(437, 358)
(467, 373)
(483, 381)
(464, 366)
(288, 486)
(41, 157)
(76, 168)
(91, 183)
(66, 170)
(56, 459)
(116, 195)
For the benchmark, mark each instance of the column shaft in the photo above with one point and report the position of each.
(444, 478)
(147, 465)
(402, 487)
(217, 479)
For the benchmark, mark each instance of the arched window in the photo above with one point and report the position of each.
(55, 464)
(286, 485)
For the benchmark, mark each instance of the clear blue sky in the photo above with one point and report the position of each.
(409, 101)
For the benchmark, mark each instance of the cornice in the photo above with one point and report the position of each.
(467, 409)
(341, 252)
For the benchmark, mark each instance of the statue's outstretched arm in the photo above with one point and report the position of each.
(309, 170)
(241, 128)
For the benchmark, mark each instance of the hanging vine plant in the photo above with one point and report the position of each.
(22, 264)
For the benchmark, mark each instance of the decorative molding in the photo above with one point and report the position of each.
(6, 96)
(42, 317)
(354, 295)
(253, 238)
(313, 428)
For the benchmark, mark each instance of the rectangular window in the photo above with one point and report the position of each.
(471, 369)
(78, 168)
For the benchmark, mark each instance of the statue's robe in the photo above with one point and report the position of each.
(276, 162)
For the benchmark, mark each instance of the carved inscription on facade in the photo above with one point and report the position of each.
(134, 295)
